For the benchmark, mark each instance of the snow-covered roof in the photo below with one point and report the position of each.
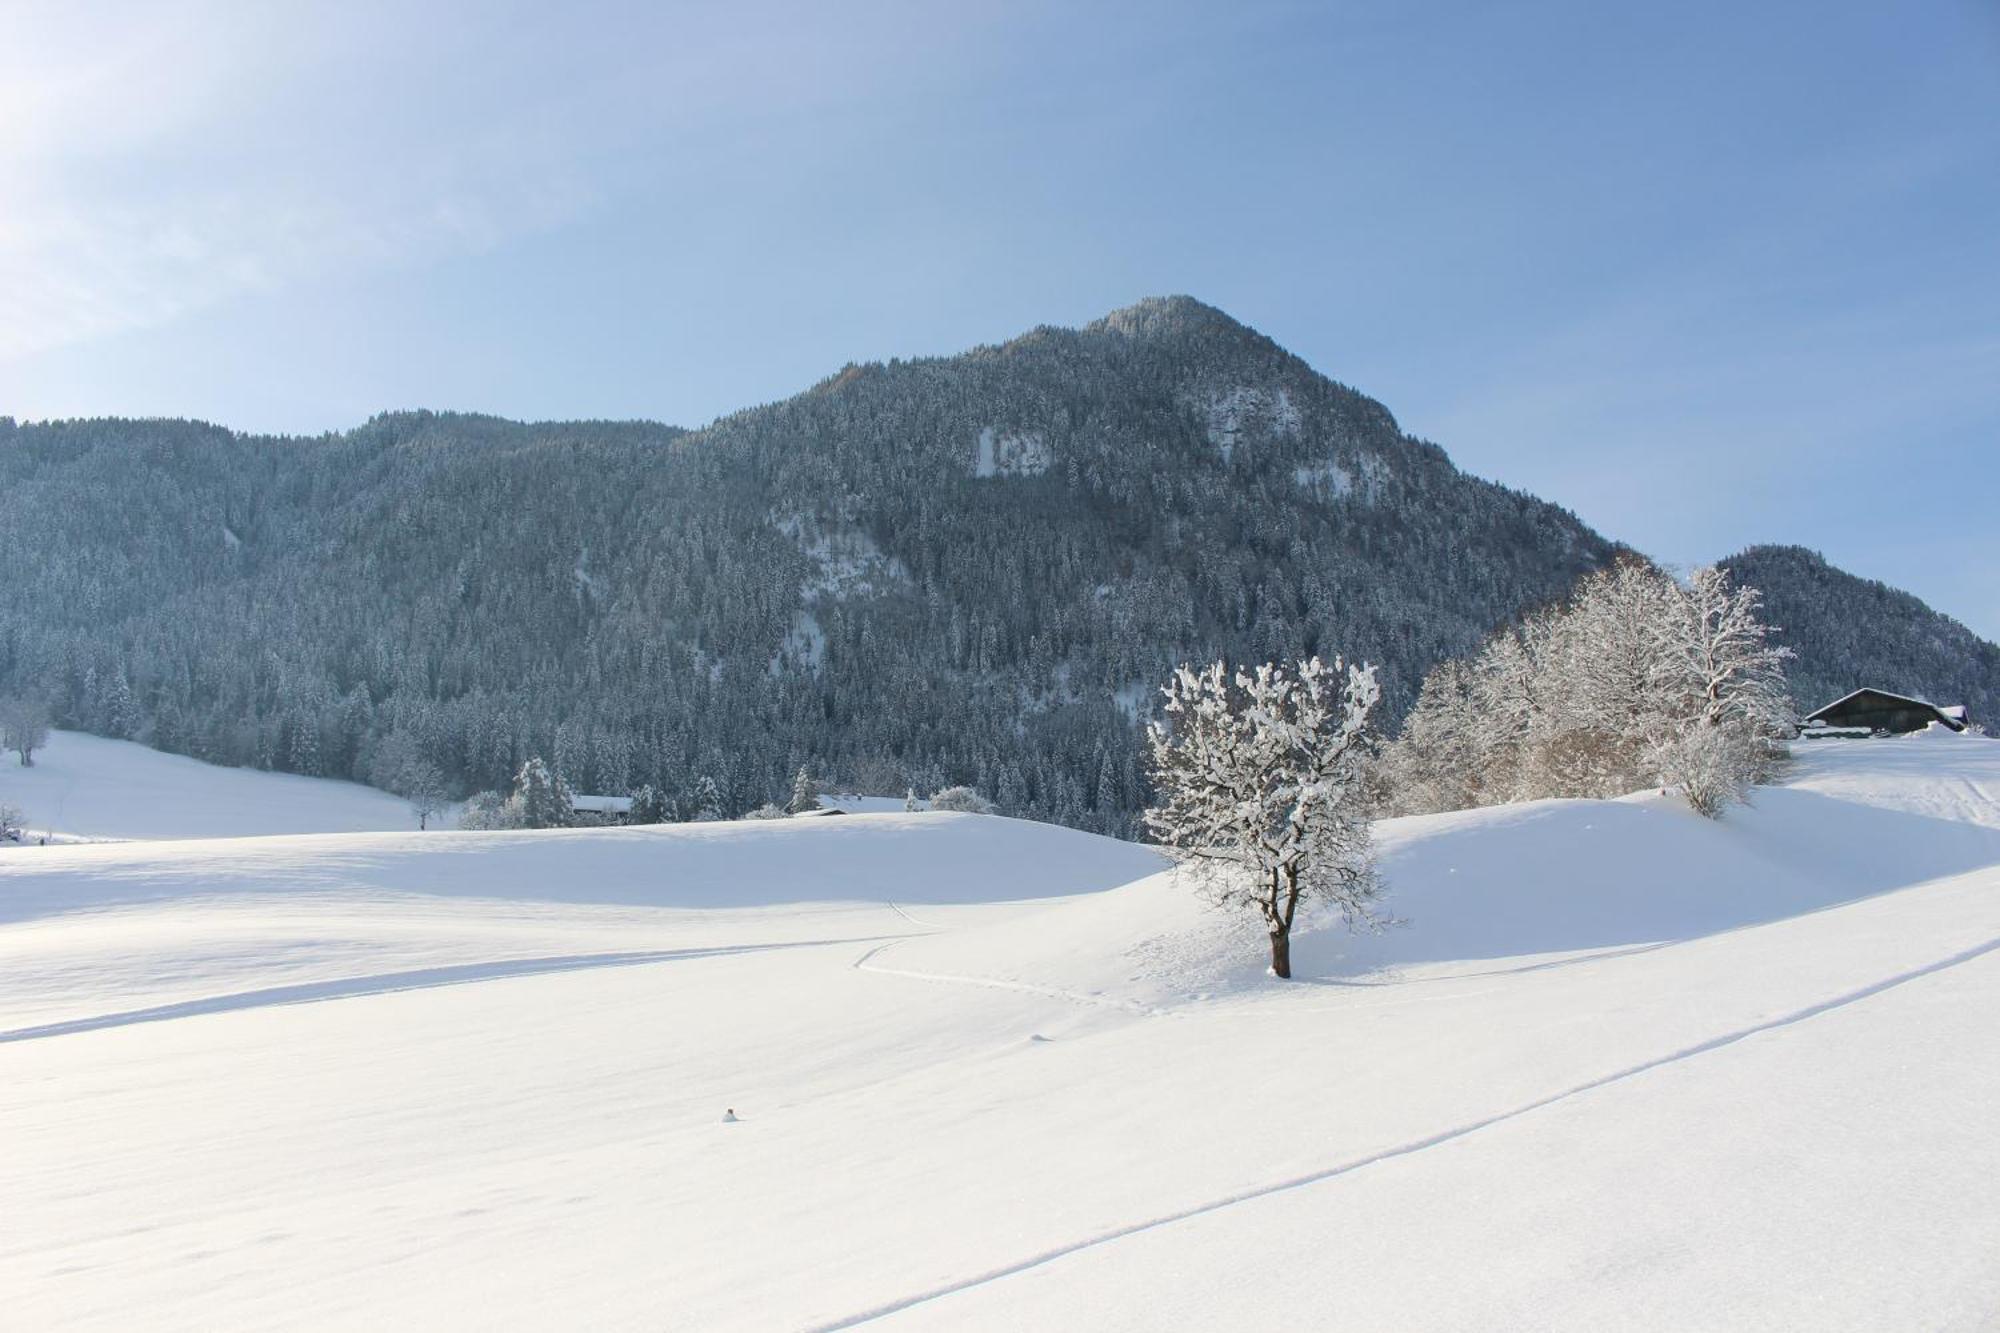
(602, 805)
(1870, 689)
(1954, 715)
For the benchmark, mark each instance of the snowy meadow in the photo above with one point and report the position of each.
(1617, 1064)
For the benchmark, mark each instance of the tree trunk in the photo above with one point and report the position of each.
(1281, 954)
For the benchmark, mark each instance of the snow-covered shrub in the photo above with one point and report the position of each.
(1714, 767)
(488, 810)
(1263, 790)
(10, 824)
(768, 810)
(962, 800)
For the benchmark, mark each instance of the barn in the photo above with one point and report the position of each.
(1869, 711)
(601, 809)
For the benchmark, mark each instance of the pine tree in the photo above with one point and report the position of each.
(541, 798)
(648, 807)
(707, 801)
(805, 794)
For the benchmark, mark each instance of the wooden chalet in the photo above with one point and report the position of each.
(1870, 712)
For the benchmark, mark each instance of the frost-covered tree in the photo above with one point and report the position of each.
(910, 805)
(768, 810)
(10, 823)
(962, 800)
(707, 801)
(423, 785)
(1261, 776)
(1444, 760)
(1723, 685)
(541, 797)
(1718, 664)
(805, 793)
(24, 728)
(1637, 679)
(648, 806)
(488, 810)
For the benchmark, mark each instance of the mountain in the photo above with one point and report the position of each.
(962, 569)
(972, 568)
(1852, 632)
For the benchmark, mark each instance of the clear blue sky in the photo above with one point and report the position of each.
(1709, 274)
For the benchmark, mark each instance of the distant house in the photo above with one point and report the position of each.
(1867, 712)
(601, 809)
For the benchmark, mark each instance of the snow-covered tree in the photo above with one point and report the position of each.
(423, 785)
(1718, 664)
(24, 728)
(910, 805)
(707, 801)
(541, 797)
(648, 806)
(10, 824)
(1637, 679)
(488, 810)
(1443, 759)
(768, 810)
(1261, 778)
(1724, 686)
(805, 793)
(962, 800)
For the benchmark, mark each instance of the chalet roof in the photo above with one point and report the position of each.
(1953, 717)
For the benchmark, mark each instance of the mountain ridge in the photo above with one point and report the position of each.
(968, 568)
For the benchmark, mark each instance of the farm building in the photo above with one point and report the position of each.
(1868, 711)
(601, 809)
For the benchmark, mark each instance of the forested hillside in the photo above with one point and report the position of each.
(972, 569)
(1852, 632)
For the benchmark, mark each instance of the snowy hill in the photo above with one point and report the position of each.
(1619, 1067)
(89, 787)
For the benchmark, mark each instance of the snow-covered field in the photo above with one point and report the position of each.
(1620, 1068)
(86, 787)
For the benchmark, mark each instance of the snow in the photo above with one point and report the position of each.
(845, 560)
(804, 645)
(1366, 478)
(1329, 476)
(1620, 1067)
(1011, 454)
(83, 786)
(1250, 410)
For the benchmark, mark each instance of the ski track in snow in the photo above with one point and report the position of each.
(388, 983)
(863, 964)
(1049, 1256)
